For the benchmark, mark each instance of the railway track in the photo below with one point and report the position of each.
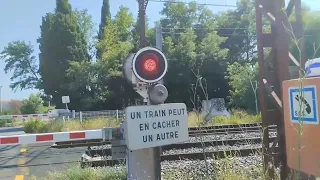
(106, 151)
(193, 132)
(99, 152)
(102, 157)
(87, 161)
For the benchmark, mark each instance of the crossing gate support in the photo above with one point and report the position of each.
(274, 69)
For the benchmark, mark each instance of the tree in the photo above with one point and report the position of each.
(32, 105)
(193, 53)
(101, 84)
(239, 26)
(312, 38)
(87, 30)
(61, 42)
(243, 81)
(19, 59)
(116, 45)
(105, 16)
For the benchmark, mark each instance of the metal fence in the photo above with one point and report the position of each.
(84, 115)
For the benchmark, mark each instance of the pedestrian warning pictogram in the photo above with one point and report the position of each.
(303, 105)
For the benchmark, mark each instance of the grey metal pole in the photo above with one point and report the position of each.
(157, 150)
(159, 36)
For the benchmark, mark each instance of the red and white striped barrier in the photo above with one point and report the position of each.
(29, 115)
(50, 137)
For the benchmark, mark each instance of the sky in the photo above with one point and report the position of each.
(21, 19)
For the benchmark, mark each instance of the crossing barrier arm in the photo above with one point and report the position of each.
(50, 137)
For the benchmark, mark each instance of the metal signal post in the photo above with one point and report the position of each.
(145, 71)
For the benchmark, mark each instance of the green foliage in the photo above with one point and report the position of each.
(45, 109)
(6, 112)
(312, 45)
(192, 53)
(105, 16)
(6, 122)
(32, 105)
(106, 87)
(237, 117)
(198, 43)
(19, 59)
(61, 42)
(242, 80)
(87, 174)
(86, 27)
(239, 25)
(39, 126)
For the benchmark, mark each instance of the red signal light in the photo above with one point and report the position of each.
(149, 64)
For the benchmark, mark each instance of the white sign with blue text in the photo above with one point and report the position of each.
(303, 104)
(156, 125)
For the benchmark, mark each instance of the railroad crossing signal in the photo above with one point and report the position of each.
(145, 70)
(149, 65)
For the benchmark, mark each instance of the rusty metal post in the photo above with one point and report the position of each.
(278, 40)
(281, 67)
(259, 25)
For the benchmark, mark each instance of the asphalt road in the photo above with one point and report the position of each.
(20, 162)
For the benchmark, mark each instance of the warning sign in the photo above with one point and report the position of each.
(156, 125)
(303, 105)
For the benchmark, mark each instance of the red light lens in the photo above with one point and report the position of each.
(150, 65)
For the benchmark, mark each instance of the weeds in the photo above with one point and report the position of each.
(77, 173)
(39, 126)
(6, 123)
(194, 120)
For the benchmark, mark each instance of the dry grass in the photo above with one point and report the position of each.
(97, 123)
(224, 169)
(237, 117)
(194, 120)
(77, 173)
(58, 125)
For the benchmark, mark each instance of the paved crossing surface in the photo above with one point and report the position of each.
(20, 162)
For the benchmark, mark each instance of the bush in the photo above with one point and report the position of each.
(38, 126)
(237, 117)
(86, 174)
(32, 105)
(5, 112)
(194, 120)
(97, 123)
(5, 122)
(46, 109)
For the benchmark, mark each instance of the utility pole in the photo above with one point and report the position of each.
(142, 21)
